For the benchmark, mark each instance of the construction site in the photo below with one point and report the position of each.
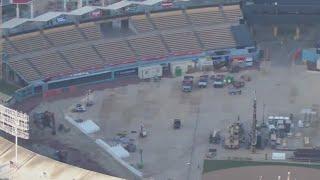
(242, 104)
(165, 132)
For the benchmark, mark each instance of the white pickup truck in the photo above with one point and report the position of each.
(203, 81)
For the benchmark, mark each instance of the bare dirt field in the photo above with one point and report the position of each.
(263, 173)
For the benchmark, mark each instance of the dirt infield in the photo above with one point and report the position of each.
(264, 173)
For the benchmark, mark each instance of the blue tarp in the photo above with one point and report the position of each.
(310, 55)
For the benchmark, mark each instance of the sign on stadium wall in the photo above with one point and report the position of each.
(96, 13)
(21, 1)
(10, 120)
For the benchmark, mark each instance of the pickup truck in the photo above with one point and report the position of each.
(218, 81)
(234, 91)
(187, 84)
(203, 81)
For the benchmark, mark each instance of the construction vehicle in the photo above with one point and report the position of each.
(187, 84)
(235, 132)
(45, 119)
(203, 81)
(211, 153)
(214, 137)
(143, 132)
(176, 124)
(79, 108)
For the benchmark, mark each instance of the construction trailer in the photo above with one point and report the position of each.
(307, 154)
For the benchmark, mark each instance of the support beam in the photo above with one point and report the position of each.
(17, 11)
(65, 5)
(31, 9)
(275, 31)
(297, 36)
(79, 3)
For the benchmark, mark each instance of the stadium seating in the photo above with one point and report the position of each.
(232, 13)
(141, 23)
(50, 65)
(182, 42)
(149, 47)
(216, 38)
(8, 48)
(28, 42)
(212, 26)
(115, 52)
(83, 58)
(24, 69)
(91, 31)
(64, 36)
(205, 16)
(169, 20)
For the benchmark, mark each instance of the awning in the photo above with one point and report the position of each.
(47, 16)
(82, 11)
(148, 2)
(118, 5)
(13, 23)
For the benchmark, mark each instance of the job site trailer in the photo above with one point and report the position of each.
(148, 72)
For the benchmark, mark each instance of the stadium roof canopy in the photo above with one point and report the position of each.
(12, 23)
(78, 12)
(47, 16)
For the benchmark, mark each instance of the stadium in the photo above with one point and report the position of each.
(101, 81)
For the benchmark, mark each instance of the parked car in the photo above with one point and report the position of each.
(79, 108)
(187, 84)
(176, 124)
(238, 84)
(203, 81)
(234, 91)
(218, 81)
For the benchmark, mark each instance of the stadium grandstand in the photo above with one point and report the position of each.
(282, 11)
(102, 49)
(35, 166)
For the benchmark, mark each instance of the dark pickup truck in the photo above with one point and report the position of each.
(187, 84)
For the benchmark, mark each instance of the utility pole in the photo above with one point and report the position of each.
(254, 126)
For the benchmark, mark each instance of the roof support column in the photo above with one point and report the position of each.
(31, 9)
(65, 5)
(17, 11)
(79, 3)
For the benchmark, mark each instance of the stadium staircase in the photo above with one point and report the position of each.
(151, 22)
(223, 14)
(46, 38)
(192, 26)
(33, 67)
(65, 59)
(137, 55)
(164, 43)
(198, 40)
(12, 45)
(81, 32)
(99, 55)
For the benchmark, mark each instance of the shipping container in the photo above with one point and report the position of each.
(183, 67)
(148, 72)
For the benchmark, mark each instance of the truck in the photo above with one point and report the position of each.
(203, 81)
(234, 91)
(218, 81)
(187, 84)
